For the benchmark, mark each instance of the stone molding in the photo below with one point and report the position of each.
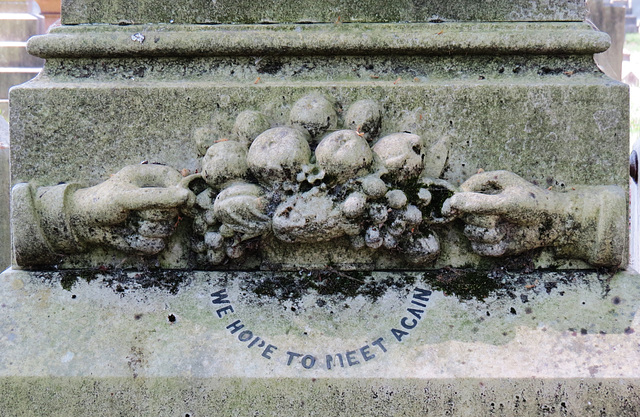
(164, 40)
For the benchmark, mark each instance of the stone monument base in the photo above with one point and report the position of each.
(451, 342)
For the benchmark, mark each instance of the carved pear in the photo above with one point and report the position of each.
(240, 208)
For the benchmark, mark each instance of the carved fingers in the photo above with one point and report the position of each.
(505, 214)
(134, 188)
(142, 187)
(135, 210)
(504, 195)
(493, 182)
(506, 239)
(127, 239)
(144, 232)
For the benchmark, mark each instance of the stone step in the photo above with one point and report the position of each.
(20, 26)
(14, 76)
(14, 54)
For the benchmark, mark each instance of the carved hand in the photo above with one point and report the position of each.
(506, 215)
(134, 211)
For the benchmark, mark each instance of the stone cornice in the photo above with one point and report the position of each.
(162, 40)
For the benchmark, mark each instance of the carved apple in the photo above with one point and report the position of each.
(314, 113)
(224, 161)
(365, 116)
(278, 155)
(402, 154)
(343, 154)
(249, 124)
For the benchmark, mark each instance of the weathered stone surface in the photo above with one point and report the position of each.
(453, 85)
(476, 343)
(468, 97)
(295, 397)
(555, 126)
(246, 11)
(287, 40)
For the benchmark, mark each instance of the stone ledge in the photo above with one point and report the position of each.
(302, 40)
(191, 397)
(144, 343)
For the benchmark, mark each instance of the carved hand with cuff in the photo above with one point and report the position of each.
(133, 211)
(507, 215)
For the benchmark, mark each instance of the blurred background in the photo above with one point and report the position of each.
(19, 20)
(619, 18)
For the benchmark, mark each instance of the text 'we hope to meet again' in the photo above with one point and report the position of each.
(330, 360)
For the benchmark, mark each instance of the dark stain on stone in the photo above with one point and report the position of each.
(70, 277)
(135, 360)
(464, 283)
(548, 286)
(550, 71)
(121, 280)
(270, 67)
(326, 282)
(139, 72)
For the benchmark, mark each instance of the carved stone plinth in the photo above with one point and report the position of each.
(333, 213)
(521, 97)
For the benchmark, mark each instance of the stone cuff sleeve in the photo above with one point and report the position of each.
(41, 226)
(610, 244)
(598, 230)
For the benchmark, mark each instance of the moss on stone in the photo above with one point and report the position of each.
(463, 283)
